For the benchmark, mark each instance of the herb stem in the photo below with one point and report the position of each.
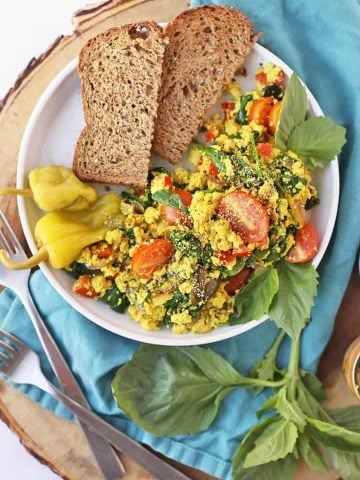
(267, 383)
(294, 373)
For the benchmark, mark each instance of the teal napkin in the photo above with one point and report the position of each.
(320, 41)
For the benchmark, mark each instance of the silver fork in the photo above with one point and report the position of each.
(22, 365)
(107, 460)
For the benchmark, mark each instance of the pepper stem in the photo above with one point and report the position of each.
(25, 192)
(40, 256)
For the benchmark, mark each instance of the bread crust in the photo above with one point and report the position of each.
(206, 46)
(120, 73)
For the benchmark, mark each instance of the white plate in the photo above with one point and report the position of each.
(50, 138)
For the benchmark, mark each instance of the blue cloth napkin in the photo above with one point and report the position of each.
(320, 41)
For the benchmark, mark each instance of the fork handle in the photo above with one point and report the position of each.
(106, 459)
(142, 456)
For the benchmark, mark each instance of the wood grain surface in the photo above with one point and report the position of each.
(55, 442)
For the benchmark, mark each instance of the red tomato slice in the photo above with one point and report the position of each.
(213, 170)
(306, 245)
(246, 214)
(238, 281)
(259, 111)
(274, 116)
(229, 256)
(264, 149)
(83, 287)
(105, 252)
(168, 182)
(209, 135)
(186, 197)
(151, 256)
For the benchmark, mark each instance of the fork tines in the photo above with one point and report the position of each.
(8, 348)
(4, 243)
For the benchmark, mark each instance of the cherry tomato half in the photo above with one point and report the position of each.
(306, 245)
(83, 287)
(264, 149)
(246, 214)
(238, 280)
(213, 170)
(260, 110)
(151, 256)
(185, 196)
(273, 118)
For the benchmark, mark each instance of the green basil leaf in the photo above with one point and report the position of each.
(347, 464)
(239, 265)
(173, 390)
(291, 306)
(308, 404)
(334, 436)
(165, 197)
(254, 299)
(348, 417)
(265, 368)
(311, 454)
(135, 198)
(313, 385)
(276, 441)
(290, 410)
(293, 111)
(316, 141)
(283, 469)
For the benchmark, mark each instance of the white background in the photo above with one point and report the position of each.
(27, 27)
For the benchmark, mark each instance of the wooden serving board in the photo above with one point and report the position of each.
(55, 442)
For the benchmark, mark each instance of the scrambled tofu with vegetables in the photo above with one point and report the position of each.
(184, 246)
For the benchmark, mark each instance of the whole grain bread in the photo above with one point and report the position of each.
(206, 46)
(120, 72)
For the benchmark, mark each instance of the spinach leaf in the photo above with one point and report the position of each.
(334, 436)
(286, 181)
(276, 441)
(177, 303)
(134, 198)
(165, 197)
(316, 141)
(347, 464)
(115, 299)
(245, 174)
(172, 390)
(76, 269)
(239, 265)
(242, 114)
(311, 202)
(311, 454)
(152, 172)
(254, 299)
(348, 417)
(191, 246)
(292, 113)
(216, 156)
(291, 306)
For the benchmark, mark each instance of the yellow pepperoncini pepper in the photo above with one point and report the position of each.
(61, 236)
(54, 188)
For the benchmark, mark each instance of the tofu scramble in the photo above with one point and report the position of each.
(185, 246)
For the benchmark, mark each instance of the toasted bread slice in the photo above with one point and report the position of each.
(206, 46)
(120, 72)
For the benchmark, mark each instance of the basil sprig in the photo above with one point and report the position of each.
(316, 140)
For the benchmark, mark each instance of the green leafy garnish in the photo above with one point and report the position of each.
(317, 141)
(242, 114)
(76, 269)
(254, 299)
(291, 306)
(216, 156)
(116, 300)
(165, 197)
(134, 198)
(191, 246)
(293, 111)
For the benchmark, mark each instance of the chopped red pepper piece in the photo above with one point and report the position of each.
(83, 287)
(213, 170)
(264, 149)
